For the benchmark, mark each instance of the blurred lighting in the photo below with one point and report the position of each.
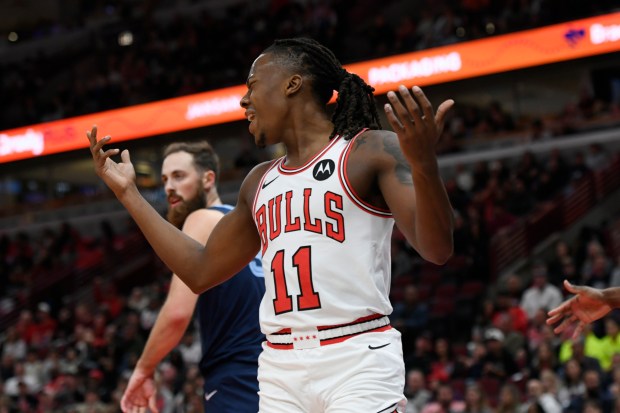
(125, 38)
(490, 27)
(13, 37)
(460, 31)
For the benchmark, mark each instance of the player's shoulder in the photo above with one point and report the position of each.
(373, 144)
(252, 179)
(203, 216)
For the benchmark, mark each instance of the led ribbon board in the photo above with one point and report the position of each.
(560, 42)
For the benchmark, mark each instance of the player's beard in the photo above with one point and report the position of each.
(177, 215)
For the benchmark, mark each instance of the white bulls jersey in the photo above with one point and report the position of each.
(326, 254)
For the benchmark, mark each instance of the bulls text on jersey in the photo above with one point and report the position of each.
(276, 217)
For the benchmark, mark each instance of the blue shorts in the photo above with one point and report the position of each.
(234, 392)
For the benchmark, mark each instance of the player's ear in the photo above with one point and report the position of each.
(208, 179)
(294, 84)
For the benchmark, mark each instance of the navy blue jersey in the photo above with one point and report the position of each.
(228, 317)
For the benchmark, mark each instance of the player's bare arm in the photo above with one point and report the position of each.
(409, 177)
(198, 266)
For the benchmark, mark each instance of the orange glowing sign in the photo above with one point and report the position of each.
(566, 41)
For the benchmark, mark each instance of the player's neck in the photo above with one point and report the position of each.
(213, 198)
(306, 137)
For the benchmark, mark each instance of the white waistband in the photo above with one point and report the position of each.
(327, 333)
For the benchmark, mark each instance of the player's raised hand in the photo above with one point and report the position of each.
(417, 126)
(141, 392)
(587, 305)
(118, 176)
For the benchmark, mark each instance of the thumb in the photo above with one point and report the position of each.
(153, 403)
(574, 289)
(125, 156)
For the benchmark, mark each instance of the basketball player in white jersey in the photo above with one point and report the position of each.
(322, 218)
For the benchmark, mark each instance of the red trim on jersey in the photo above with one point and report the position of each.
(260, 184)
(348, 188)
(292, 171)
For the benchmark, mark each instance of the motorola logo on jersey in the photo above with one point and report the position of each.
(324, 169)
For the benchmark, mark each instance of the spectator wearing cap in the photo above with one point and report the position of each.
(541, 294)
(497, 362)
(44, 327)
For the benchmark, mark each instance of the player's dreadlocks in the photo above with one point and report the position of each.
(355, 105)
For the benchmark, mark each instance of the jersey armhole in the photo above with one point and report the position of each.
(348, 189)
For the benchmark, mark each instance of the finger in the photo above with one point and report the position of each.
(125, 156)
(153, 404)
(92, 135)
(561, 309)
(554, 319)
(399, 108)
(574, 289)
(413, 109)
(442, 112)
(391, 117)
(563, 326)
(578, 329)
(423, 102)
(97, 147)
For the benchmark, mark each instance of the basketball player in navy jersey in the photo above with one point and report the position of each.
(322, 217)
(227, 314)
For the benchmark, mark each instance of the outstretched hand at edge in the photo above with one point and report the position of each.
(587, 305)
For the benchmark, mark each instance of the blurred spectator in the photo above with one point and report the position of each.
(190, 348)
(554, 387)
(595, 391)
(541, 294)
(444, 401)
(415, 391)
(476, 400)
(537, 394)
(596, 158)
(13, 385)
(509, 399)
(497, 363)
(13, 345)
(410, 316)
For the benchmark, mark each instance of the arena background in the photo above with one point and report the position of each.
(529, 157)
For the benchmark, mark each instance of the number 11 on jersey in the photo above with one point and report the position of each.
(308, 298)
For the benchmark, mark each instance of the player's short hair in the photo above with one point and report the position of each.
(203, 154)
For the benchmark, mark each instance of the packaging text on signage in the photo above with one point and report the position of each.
(31, 141)
(425, 67)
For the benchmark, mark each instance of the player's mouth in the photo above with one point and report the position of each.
(174, 201)
(251, 117)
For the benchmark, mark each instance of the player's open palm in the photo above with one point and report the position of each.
(587, 305)
(118, 176)
(417, 126)
(141, 392)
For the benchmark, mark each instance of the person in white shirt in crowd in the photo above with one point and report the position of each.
(541, 294)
